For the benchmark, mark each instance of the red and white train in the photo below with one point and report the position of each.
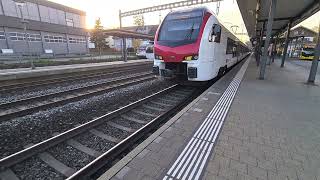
(194, 45)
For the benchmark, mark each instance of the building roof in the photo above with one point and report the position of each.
(57, 6)
(301, 31)
(139, 32)
(305, 29)
(148, 29)
(127, 34)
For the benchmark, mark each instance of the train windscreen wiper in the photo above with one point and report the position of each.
(189, 35)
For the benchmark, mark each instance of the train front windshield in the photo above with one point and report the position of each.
(183, 28)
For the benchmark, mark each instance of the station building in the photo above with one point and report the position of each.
(300, 37)
(51, 28)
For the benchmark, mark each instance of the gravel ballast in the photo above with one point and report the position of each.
(36, 170)
(94, 142)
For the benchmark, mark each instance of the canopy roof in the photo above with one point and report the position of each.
(255, 12)
(127, 34)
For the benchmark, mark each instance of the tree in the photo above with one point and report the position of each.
(136, 43)
(97, 36)
(138, 20)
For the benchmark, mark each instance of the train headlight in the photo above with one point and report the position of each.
(188, 58)
(192, 57)
(158, 57)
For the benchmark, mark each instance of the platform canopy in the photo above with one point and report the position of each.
(255, 12)
(127, 34)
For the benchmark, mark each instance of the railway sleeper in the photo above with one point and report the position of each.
(144, 113)
(153, 108)
(161, 104)
(118, 126)
(133, 119)
(56, 164)
(104, 136)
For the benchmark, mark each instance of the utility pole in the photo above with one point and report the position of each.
(20, 4)
(120, 19)
(218, 8)
(123, 41)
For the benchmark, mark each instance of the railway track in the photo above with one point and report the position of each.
(81, 151)
(29, 105)
(7, 87)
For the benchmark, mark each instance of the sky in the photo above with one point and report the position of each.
(311, 22)
(108, 11)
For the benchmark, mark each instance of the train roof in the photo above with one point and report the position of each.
(191, 9)
(204, 10)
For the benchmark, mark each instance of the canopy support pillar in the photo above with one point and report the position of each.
(272, 11)
(314, 66)
(285, 49)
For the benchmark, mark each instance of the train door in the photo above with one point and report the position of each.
(219, 45)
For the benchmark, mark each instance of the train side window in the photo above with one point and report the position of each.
(230, 46)
(215, 33)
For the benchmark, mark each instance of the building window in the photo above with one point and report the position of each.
(72, 40)
(2, 35)
(69, 22)
(55, 39)
(15, 36)
(35, 37)
(77, 40)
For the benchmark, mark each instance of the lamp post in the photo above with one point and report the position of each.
(20, 4)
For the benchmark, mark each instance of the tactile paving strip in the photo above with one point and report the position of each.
(192, 160)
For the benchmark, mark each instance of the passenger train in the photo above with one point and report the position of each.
(194, 45)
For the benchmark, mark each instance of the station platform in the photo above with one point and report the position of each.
(240, 128)
(21, 73)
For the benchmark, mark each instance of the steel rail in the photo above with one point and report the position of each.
(45, 99)
(29, 84)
